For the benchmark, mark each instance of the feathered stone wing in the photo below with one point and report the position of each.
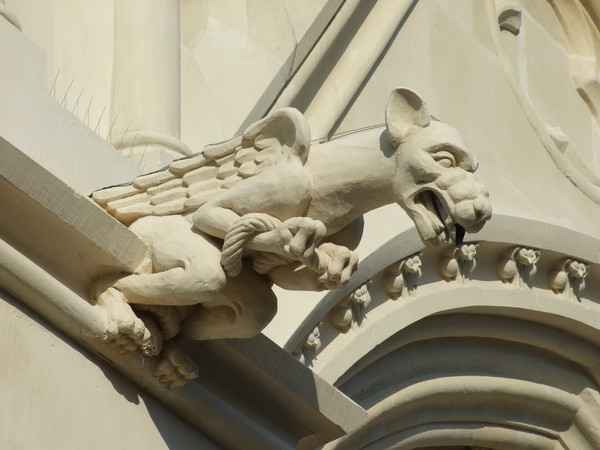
(188, 183)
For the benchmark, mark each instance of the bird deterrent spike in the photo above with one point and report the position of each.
(99, 119)
(64, 100)
(53, 87)
(77, 104)
(87, 113)
(111, 128)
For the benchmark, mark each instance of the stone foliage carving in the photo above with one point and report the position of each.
(404, 273)
(569, 277)
(265, 207)
(309, 347)
(519, 265)
(515, 266)
(351, 308)
(460, 264)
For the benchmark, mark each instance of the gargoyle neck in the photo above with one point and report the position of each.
(348, 182)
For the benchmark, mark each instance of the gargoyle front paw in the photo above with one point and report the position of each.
(302, 235)
(176, 367)
(339, 264)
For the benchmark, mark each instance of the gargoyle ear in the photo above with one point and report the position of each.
(404, 110)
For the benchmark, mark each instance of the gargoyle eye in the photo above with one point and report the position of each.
(445, 159)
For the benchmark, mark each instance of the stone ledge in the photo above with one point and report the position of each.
(63, 231)
(258, 377)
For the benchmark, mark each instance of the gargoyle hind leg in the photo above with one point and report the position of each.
(186, 265)
(247, 305)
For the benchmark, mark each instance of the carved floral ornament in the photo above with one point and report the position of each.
(352, 308)
(266, 207)
(404, 273)
(519, 265)
(515, 268)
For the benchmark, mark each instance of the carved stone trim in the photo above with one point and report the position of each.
(515, 266)
(351, 308)
(404, 273)
(307, 350)
(518, 265)
(145, 138)
(460, 264)
(569, 277)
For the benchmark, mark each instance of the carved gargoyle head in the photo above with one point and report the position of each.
(434, 181)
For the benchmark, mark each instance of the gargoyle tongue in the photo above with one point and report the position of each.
(460, 235)
(454, 231)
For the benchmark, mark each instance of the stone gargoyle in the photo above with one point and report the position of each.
(267, 207)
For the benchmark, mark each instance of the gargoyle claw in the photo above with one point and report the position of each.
(305, 234)
(176, 367)
(338, 264)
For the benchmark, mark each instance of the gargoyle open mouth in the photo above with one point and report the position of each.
(442, 222)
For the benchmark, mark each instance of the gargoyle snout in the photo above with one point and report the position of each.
(472, 213)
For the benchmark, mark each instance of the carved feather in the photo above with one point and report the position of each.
(187, 183)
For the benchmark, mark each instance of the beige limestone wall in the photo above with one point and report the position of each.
(55, 395)
(447, 52)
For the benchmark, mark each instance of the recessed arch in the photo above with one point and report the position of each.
(473, 360)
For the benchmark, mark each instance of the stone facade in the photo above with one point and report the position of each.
(485, 340)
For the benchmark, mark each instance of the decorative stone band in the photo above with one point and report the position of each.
(414, 279)
(8, 15)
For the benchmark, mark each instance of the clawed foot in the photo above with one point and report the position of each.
(124, 329)
(334, 263)
(302, 234)
(337, 263)
(176, 367)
